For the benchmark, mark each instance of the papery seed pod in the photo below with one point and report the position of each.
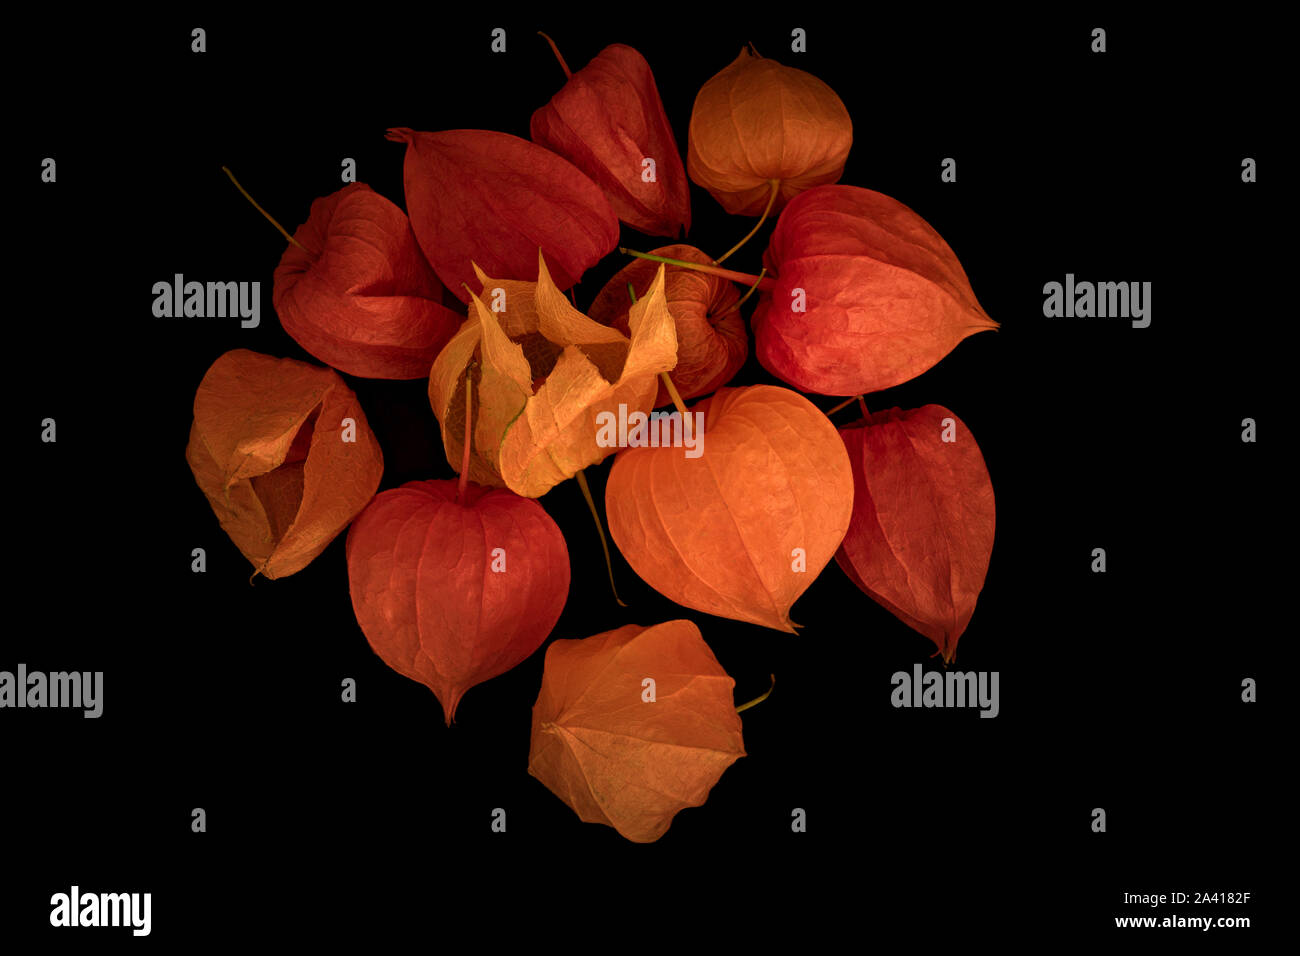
(479, 196)
(923, 519)
(742, 529)
(618, 760)
(867, 295)
(711, 339)
(359, 295)
(284, 455)
(759, 122)
(609, 121)
(452, 590)
(544, 372)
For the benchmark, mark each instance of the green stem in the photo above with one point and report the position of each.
(775, 185)
(674, 395)
(759, 699)
(591, 503)
(762, 282)
(762, 272)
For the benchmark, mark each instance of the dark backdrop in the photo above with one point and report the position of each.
(1118, 690)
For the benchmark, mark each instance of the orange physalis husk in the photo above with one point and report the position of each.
(284, 455)
(544, 372)
(614, 755)
(757, 122)
(744, 528)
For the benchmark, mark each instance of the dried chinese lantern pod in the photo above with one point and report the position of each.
(543, 373)
(744, 527)
(711, 340)
(452, 590)
(360, 296)
(609, 121)
(923, 521)
(634, 725)
(759, 121)
(479, 196)
(867, 295)
(284, 455)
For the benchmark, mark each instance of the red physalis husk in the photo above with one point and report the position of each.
(867, 295)
(477, 196)
(711, 339)
(609, 121)
(359, 295)
(923, 519)
(452, 591)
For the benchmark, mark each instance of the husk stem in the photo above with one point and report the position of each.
(844, 404)
(604, 545)
(763, 282)
(762, 272)
(269, 217)
(759, 699)
(568, 74)
(775, 185)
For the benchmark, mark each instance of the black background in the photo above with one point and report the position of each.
(1118, 690)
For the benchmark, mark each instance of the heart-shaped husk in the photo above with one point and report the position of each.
(745, 527)
(454, 591)
(867, 295)
(758, 122)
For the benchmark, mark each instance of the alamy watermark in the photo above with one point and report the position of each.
(1101, 300)
(76, 689)
(215, 300)
(654, 430)
(949, 689)
(102, 909)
